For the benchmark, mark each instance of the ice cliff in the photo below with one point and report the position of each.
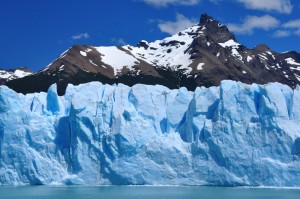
(234, 134)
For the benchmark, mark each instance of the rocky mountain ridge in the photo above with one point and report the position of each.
(201, 55)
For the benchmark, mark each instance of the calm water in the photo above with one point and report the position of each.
(138, 192)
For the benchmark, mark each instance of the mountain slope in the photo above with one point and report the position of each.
(201, 55)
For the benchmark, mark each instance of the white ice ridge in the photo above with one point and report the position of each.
(234, 134)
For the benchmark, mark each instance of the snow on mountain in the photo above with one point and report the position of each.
(230, 43)
(109, 54)
(201, 55)
(170, 52)
(234, 134)
(13, 74)
(291, 61)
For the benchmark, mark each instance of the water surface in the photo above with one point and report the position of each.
(144, 192)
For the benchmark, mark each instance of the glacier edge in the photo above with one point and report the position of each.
(231, 135)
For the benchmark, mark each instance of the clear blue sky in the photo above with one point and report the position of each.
(35, 32)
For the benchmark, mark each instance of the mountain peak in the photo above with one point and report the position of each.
(205, 18)
(201, 55)
(261, 48)
(216, 30)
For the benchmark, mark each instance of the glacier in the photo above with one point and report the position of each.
(232, 135)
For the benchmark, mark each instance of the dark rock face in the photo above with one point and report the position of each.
(143, 44)
(216, 31)
(201, 55)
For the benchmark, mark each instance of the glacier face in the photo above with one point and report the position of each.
(234, 134)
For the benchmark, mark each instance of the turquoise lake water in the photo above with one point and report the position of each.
(145, 192)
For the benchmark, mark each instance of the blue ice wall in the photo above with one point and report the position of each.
(234, 134)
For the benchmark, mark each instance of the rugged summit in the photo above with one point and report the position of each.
(201, 55)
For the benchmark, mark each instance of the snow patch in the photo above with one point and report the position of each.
(4, 74)
(19, 73)
(116, 58)
(61, 68)
(230, 43)
(236, 54)
(262, 56)
(297, 76)
(13, 75)
(249, 58)
(92, 62)
(200, 66)
(83, 53)
(293, 68)
(292, 61)
(278, 65)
